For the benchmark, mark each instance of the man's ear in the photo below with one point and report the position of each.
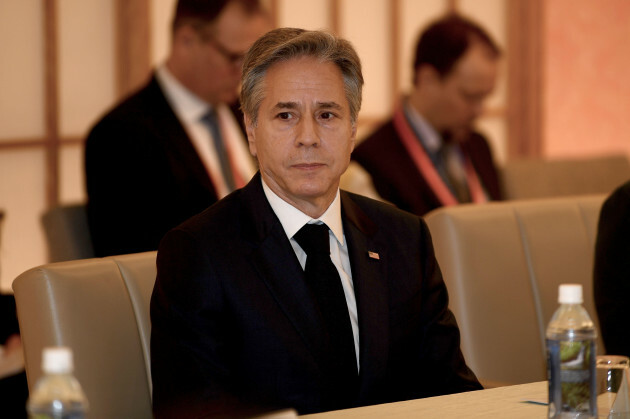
(353, 137)
(185, 36)
(251, 134)
(427, 75)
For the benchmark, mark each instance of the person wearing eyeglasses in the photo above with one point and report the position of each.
(177, 145)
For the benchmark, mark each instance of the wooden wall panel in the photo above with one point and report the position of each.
(525, 63)
(21, 63)
(22, 198)
(86, 63)
(305, 14)
(373, 44)
(587, 89)
(161, 16)
(133, 46)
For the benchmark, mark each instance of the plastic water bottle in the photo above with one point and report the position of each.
(57, 394)
(571, 356)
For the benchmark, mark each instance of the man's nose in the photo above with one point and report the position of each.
(308, 132)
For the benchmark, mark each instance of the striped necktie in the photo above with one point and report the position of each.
(211, 122)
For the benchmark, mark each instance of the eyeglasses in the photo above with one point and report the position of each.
(231, 56)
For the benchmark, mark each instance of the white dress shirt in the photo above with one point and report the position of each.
(292, 220)
(190, 109)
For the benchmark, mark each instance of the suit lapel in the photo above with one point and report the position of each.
(178, 145)
(275, 261)
(368, 259)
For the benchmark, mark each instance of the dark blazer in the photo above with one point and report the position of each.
(612, 271)
(143, 174)
(397, 180)
(233, 321)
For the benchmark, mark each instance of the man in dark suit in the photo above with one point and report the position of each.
(611, 285)
(428, 155)
(150, 162)
(248, 311)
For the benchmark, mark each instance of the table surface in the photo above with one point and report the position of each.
(501, 402)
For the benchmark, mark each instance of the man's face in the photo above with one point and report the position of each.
(304, 135)
(214, 66)
(457, 98)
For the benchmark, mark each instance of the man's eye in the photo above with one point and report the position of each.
(327, 115)
(284, 115)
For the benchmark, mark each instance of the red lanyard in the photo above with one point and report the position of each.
(427, 169)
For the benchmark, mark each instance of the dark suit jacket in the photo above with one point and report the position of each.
(396, 178)
(143, 175)
(612, 271)
(233, 321)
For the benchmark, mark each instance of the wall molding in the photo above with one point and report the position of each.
(525, 19)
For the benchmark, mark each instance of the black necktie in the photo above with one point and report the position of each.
(323, 279)
(210, 121)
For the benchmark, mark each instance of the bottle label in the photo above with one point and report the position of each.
(571, 366)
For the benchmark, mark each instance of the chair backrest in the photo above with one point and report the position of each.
(67, 233)
(100, 309)
(545, 178)
(502, 263)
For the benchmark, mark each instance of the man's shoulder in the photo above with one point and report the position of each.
(477, 144)
(381, 145)
(137, 104)
(623, 190)
(619, 199)
(224, 223)
(379, 137)
(144, 113)
(477, 137)
(380, 212)
(221, 215)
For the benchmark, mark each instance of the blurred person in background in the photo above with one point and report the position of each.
(611, 279)
(428, 154)
(177, 145)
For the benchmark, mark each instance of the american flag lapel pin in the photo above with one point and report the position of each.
(373, 255)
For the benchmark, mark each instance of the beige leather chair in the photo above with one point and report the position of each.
(100, 309)
(548, 178)
(502, 263)
(67, 233)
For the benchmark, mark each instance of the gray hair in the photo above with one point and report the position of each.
(284, 44)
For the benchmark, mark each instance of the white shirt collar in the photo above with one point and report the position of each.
(292, 219)
(189, 107)
(429, 137)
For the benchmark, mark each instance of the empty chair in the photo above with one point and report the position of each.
(100, 309)
(67, 233)
(502, 263)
